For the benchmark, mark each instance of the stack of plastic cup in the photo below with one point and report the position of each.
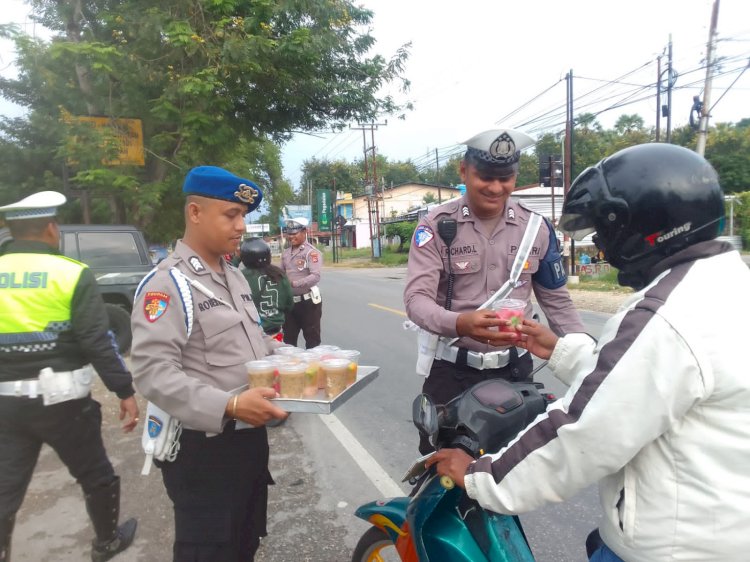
(353, 356)
(336, 370)
(292, 380)
(261, 373)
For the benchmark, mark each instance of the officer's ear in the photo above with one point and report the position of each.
(462, 170)
(193, 210)
(51, 233)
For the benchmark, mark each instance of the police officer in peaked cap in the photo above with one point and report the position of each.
(302, 263)
(464, 251)
(53, 333)
(194, 328)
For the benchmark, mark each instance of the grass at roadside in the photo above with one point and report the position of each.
(350, 257)
(604, 282)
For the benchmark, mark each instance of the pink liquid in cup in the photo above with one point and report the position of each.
(509, 310)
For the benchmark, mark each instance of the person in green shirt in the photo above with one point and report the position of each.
(269, 286)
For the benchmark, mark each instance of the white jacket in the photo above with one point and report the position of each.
(658, 412)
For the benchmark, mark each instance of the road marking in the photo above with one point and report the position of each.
(386, 485)
(387, 309)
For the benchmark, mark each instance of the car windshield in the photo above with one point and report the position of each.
(108, 249)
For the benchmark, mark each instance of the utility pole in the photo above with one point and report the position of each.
(710, 49)
(437, 177)
(658, 98)
(670, 83)
(569, 126)
(552, 184)
(371, 184)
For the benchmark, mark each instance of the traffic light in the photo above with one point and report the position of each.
(545, 178)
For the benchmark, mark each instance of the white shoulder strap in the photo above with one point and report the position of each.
(186, 296)
(522, 255)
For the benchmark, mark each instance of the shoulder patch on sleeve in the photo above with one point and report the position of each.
(315, 257)
(551, 273)
(422, 235)
(155, 304)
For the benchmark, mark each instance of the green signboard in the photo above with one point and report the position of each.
(324, 210)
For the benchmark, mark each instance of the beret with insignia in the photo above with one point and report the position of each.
(497, 150)
(217, 183)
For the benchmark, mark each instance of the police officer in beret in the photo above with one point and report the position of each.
(464, 251)
(302, 262)
(54, 332)
(194, 328)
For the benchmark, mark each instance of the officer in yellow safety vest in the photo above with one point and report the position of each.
(53, 333)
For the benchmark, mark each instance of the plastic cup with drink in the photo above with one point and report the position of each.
(261, 373)
(336, 371)
(292, 379)
(353, 356)
(509, 310)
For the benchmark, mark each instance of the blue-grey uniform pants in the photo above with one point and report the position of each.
(219, 488)
(72, 429)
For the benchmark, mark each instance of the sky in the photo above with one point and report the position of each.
(473, 63)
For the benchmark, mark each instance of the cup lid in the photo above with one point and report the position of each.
(348, 353)
(287, 350)
(292, 368)
(259, 364)
(325, 347)
(508, 303)
(335, 362)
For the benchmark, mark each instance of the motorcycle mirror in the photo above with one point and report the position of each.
(425, 417)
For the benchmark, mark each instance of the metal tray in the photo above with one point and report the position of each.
(323, 405)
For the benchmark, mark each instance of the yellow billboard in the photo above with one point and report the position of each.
(127, 132)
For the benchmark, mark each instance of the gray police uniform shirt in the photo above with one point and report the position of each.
(189, 350)
(481, 264)
(302, 266)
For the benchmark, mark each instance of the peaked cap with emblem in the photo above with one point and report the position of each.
(497, 150)
(36, 206)
(295, 225)
(217, 183)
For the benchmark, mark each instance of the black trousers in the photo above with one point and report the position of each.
(72, 429)
(304, 316)
(219, 488)
(448, 380)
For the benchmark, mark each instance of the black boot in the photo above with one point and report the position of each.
(6, 533)
(103, 506)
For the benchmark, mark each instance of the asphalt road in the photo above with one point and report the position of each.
(319, 480)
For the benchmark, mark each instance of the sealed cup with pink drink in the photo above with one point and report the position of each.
(509, 310)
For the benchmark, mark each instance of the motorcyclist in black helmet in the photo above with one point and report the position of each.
(642, 210)
(269, 286)
(657, 410)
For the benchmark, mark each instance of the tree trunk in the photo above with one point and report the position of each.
(73, 32)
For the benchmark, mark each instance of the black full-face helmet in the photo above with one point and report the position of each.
(255, 253)
(645, 203)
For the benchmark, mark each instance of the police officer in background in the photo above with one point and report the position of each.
(463, 252)
(301, 262)
(194, 328)
(53, 329)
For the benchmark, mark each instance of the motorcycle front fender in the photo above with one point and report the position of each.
(388, 515)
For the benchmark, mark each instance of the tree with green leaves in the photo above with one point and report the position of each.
(212, 81)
